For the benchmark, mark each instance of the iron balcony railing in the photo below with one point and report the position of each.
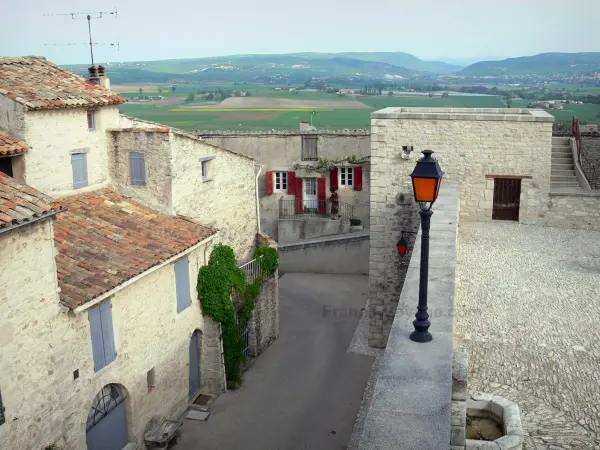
(253, 269)
(315, 208)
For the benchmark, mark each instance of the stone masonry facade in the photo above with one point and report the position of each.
(470, 145)
(58, 343)
(282, 150)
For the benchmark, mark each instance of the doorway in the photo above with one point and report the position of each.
(107, 423)
(310, 194)
(507, 199)
(195, 343)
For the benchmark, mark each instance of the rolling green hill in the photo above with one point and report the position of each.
(542, 64)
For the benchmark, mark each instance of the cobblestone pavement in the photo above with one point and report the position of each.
(528, 313)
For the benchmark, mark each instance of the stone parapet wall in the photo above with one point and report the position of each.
(411, 404)
(264, 325)
(212, 366)
(579, 211)
(231, 133)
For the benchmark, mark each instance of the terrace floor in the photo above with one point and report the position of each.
(528, 313)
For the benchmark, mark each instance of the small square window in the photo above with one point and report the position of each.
(204, 170)
(281, 181)
(91, 119)
(346, 176)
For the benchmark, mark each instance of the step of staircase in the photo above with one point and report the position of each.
(563, 184)
(565, 166)
(561, 150)
(562, 159)
(561, 141)
(562, 178)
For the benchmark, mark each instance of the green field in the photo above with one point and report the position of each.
(587, 113)
(278, 118)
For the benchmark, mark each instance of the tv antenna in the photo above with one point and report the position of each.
(89, 16)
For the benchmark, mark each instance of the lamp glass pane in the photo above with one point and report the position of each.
(425, 189)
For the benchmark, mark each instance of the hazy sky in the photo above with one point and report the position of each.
(152, 29)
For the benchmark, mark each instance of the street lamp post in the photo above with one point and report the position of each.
(426, 180)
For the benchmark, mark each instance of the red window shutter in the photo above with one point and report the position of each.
(358, 178)
(269, 176)
(333, 178)
(321, 195)
(299, 200)
(291, 182)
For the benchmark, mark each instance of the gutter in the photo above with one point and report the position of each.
(29, 222)
(257, 199)
(122, 286)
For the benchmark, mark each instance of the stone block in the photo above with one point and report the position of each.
(459, 414)
(510, 442)
(457, 435)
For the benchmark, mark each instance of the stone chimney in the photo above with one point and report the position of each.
(97, 75)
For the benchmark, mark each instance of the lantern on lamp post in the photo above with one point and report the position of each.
(426, 180)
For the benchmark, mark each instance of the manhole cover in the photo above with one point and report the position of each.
(202, 399)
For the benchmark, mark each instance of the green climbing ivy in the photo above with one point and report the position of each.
(218, 282)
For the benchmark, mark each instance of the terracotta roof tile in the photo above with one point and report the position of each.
(105, 238)
(10, 146)
(21, 203)
(38, 84)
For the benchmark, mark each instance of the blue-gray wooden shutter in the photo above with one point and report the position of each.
(138, 168)
(182, 283)
(2, 419)
(110, 352)
(97, 340)
(80, 174)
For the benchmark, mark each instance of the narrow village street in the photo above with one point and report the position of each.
(304, 392)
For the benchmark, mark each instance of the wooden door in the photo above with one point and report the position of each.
(507, 198)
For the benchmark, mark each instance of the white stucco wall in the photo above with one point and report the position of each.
(227, 199)
(53, 134)
(41, 344)
(280, 151)
(469, 149)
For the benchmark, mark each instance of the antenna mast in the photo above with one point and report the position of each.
(88, 16)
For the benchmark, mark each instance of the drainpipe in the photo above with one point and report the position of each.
(257, 201)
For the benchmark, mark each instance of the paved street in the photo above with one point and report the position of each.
(304, 392)
(528, 311)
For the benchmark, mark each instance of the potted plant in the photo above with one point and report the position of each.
(355, 224)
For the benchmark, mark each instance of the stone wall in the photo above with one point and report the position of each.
(156, 147)
(226, 199)
(12, 117)
(591, 159)
(579, 210)
(347, 254)
(53, 134)
(42, 344)
(280, 151)
(264, 325)
(212, 360)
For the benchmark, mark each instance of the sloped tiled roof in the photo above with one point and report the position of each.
(20, 203)
(105, 238)
(38, 84)
(10, 146)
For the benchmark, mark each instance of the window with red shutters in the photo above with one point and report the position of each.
(269, 177)
(358, 178)
(321, 185)
(333, 178)
(291, 182)
(299, 199)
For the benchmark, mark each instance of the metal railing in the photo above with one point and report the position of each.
(587, 167)
(562, 128)
(253, 269)
(315, 208)
(244, 335)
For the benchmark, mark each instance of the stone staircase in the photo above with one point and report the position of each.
(562, 175)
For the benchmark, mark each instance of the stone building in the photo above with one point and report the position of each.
(507, 163)
(101, 328)
(293, 185)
